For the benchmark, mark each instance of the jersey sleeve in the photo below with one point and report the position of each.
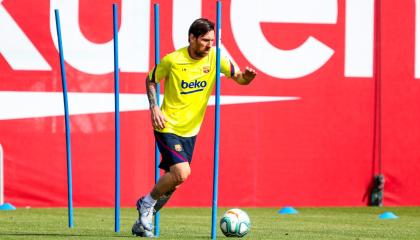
(227, 67)
(160, 71)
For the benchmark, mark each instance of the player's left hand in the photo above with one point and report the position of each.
(249, 74)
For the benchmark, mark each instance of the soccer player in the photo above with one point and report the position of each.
(189, 74)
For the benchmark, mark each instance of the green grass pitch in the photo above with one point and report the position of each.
(360, 223)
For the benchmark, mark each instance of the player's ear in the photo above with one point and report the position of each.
(191, 38)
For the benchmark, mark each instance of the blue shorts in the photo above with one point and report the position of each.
(174, 149)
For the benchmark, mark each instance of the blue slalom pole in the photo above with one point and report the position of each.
(67, 121)
(217, 124)
(157, 59)
(117, 120)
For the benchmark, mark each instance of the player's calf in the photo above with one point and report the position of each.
(163, 200)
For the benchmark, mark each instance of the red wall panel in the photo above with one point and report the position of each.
(313, 151)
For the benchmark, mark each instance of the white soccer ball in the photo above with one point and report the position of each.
(235, 223)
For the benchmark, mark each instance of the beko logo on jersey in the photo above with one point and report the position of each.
(192, 87)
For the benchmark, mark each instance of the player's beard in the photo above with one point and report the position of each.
(198, 51)
(202, 53)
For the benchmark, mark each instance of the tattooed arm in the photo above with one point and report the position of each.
(158, 119)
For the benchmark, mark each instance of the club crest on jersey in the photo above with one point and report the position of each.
(206, 69)
(178, 147)
(193, 86)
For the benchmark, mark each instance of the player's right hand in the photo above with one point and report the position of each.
(158, 119)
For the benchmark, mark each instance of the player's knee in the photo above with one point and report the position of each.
(180, 172)
(182, 175)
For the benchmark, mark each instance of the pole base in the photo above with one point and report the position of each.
(7, 206)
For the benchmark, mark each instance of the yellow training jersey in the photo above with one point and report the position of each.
(188, 86)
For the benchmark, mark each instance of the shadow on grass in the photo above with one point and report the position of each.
(56, 235)
(66, 235)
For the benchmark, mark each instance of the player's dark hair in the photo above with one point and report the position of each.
(200, 27)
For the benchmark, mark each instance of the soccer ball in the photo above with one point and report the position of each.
(235, 223)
